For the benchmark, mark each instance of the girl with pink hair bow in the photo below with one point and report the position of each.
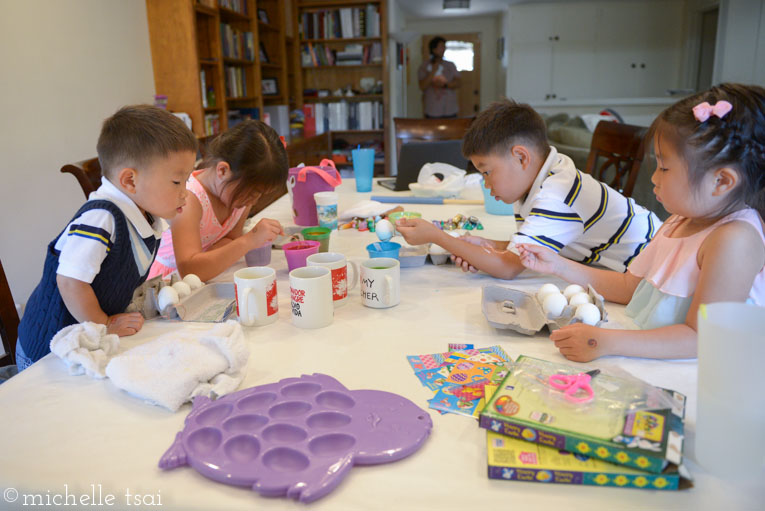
(710, 175)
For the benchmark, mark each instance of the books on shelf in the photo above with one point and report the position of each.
(212, 124)
(341, 23)
(241, 114)
(203, 83)
(237, 44)
(280, 119)
(239, 6)
(342, 116)
(627, 422)
(236, 81)
(318, 54)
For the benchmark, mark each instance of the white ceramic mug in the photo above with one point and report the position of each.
(338, 266)
(256, 301)
(311, 296)
(380, 282)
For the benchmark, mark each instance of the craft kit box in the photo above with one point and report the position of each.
(512, 459)
(627, 422)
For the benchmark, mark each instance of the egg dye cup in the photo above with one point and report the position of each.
(402, 214)
(297, 252)
(260, 256)
(384, 249)
(320, 234)
(298, 437)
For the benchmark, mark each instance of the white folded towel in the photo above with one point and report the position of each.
(85, 348)
(178, 366)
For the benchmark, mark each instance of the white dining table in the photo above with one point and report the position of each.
(64, 435)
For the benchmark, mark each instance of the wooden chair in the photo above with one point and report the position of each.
(417, 130)
(9, 321)
(621, 146)
(87, 172)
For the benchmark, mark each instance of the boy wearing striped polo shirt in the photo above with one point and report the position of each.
(95, 264)
(556, 205)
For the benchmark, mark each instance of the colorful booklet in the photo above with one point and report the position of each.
(517, 460)
(627, 421)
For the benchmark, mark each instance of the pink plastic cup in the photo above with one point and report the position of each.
(297, 252)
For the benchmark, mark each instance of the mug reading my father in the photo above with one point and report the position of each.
(380, 282)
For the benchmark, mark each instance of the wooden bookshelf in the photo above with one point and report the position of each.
(188, 41)
(323, 31)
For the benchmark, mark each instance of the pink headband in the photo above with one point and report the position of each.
(704, 110)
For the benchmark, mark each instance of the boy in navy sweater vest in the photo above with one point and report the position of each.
(93, 267)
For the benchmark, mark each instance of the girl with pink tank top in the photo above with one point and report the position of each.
(207, 237)
(710, 152)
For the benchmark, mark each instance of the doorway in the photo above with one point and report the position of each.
(464, 50)
(707, 44)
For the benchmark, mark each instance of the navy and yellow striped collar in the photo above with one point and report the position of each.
(108, 191)
(547, 166)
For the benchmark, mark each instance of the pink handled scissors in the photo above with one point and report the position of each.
(572, 383)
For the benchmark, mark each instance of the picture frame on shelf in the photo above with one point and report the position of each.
(263, 16)
(262, 54)
(269, 87)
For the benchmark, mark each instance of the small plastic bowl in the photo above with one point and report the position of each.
(260, 256)
(410, 257)
(384, 249)
(402, 214)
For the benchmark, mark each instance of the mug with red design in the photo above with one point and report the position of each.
(338, 267)
(311, 297)
(256, 301)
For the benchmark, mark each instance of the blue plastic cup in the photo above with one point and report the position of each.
(383, 249)
(494, 206)
(363, 168)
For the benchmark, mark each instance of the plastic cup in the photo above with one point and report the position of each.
(363, 168)
(260, 256)
(326, 209)
(297, 252)
(731, 405)
(383, 249)
(494, 206)
(320, 234)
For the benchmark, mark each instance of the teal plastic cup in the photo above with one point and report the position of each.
(494, 206)
(363, 168)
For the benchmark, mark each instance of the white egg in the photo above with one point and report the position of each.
(167, 296)
(578, 299)
(183, 289)
(384, 229)
(588, 313)
(553, 305)
(193, 281)
(572, 290)
(545, 290)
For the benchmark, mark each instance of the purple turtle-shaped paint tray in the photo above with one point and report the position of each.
(298, 437)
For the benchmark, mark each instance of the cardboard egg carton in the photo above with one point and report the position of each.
(211, 303)
(514, 309)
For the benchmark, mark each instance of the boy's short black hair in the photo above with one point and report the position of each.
(503, 124)
(137, 134)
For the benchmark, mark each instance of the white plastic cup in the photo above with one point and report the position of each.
(730, 422)
(326, 209)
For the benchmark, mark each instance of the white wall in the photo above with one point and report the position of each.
(67, 65)
(740, 53)
(486, 26)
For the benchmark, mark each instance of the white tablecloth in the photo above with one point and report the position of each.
(62, 433)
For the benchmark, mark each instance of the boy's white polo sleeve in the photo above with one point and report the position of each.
(550, 222)
(84, 245)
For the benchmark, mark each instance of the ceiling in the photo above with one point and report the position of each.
(434, 8)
